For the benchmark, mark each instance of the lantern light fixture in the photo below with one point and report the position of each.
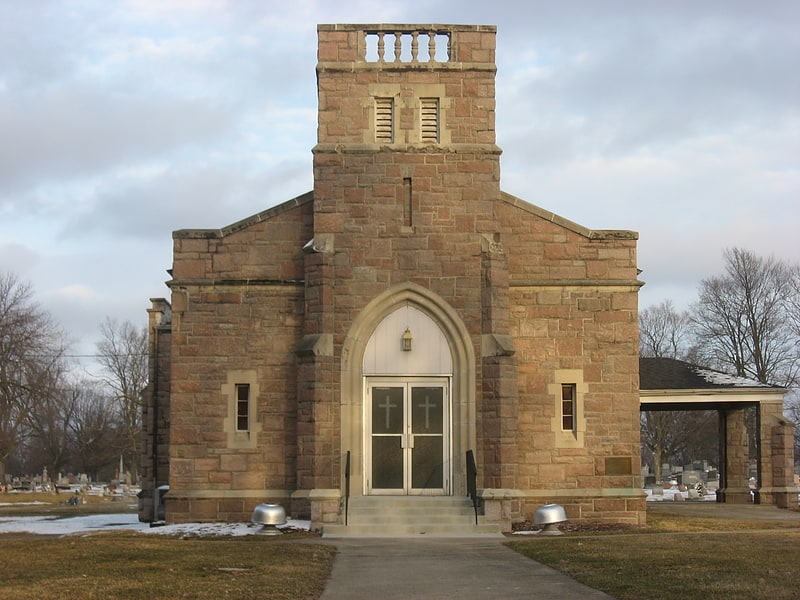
(407, 337)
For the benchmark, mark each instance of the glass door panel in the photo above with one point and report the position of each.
(388, 427)
(427, 429)
(387, 463)
(408, 445)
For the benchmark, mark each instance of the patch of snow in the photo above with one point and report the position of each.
(128, 521)
(669, 495)
(70, 525)
(212, 529)
(718, 378)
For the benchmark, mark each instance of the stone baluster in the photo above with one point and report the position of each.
(414, 36)
(398, 45)
(381, 48)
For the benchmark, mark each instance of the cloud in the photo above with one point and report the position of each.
(148, 205)
(16, 258)
(76, 292)
(77, 132)
(122, 122)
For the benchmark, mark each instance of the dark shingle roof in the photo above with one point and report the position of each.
(672, 374)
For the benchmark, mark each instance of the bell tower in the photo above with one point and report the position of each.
(406, 125)
(406, 183)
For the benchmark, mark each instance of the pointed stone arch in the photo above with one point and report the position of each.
(463, 378)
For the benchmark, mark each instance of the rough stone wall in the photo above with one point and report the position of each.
(237, 301)
(574, 312)
(784, 492)
(538, 295)
(156, 412)
(566, 295)
(399, 212)
(776, 447)
(735, 488)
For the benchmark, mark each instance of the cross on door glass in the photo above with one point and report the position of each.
(427, 404)
(387, 410)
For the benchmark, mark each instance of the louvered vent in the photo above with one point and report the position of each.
(429, 120)
(384, 120)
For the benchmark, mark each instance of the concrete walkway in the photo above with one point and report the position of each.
(468, 568)
(474, 568)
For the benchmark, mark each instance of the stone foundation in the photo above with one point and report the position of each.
(608, 506)
(182, 507)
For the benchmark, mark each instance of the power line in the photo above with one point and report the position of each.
(98, 355)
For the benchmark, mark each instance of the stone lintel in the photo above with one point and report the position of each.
(499, 493)
(584, 493)
(178, 283)
(351, 67)
(405, 27)
(317, 494)
(622, 285)
(224, 494)
(365, 148)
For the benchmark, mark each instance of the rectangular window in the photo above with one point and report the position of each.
(429, 120)
(568, 406)
(384, 120)
(243, 407)
(407, 207)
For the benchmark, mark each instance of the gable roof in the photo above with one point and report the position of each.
(542, 213)
(246, 222)
(673, 374)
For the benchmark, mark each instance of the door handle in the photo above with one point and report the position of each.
(407, 440)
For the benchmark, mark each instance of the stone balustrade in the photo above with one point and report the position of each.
(407, 46)
(393, 46)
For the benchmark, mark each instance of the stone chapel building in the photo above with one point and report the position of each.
(362, 342)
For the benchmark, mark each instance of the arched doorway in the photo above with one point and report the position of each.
(408, 415)
(407, 368)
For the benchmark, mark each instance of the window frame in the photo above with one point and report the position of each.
(569, 393)
(566, 437)
(429, 120)
(242, 416)
(384, 120)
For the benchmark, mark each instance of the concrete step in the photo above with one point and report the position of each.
(408, 530)
(400, 516)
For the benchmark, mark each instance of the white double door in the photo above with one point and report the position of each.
(408, 436)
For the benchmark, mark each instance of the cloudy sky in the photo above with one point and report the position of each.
(121, 121)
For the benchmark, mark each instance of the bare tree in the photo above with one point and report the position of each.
(94, 432)
(664, 332)
(123, 354)
(49, 418)
(679, 436)
(748, 322)
(793, 300)
(30, 345)
(743, 319)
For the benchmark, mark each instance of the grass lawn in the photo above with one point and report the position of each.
(126, 565)
(707, 558)
(674, 556)
(130, 565)
(45, 503)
